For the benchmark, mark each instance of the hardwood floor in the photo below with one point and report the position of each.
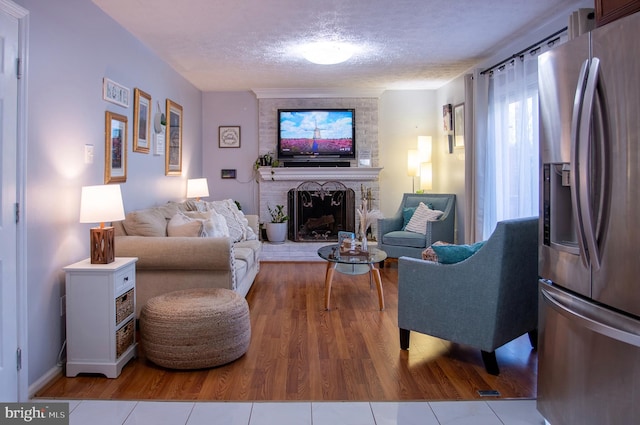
(299, 351)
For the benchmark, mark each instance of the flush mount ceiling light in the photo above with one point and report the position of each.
(327, 52)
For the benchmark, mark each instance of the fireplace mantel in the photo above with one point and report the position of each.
(319, 173)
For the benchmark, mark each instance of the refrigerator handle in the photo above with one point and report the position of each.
(575, 150)
(591, 316)
(584, 164)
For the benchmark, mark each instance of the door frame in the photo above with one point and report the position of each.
(13, 9)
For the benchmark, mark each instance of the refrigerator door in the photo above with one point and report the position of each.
(617, 120)
(561, 78)
(588, 369)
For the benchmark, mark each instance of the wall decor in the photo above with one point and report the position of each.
(115, 93)
(458, 122)
(228, 174)
(447, 117)
(173, 144)
(229, 136)
(141, 121)
(115, 148)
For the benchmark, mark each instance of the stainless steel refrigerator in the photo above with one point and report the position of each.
(589, 334)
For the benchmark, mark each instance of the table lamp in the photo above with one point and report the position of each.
(197, 188)
(99, 204)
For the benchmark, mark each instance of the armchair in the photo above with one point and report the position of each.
(484, 301)
(397, 242)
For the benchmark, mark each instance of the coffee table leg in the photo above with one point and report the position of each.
(331, 268)
(376, 276)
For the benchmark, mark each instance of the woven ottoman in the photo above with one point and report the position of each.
(195, 328)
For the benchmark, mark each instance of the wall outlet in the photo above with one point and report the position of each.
(63, 305)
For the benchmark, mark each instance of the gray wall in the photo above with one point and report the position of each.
(71, 49)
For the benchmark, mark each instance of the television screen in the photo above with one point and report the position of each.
(316, 133)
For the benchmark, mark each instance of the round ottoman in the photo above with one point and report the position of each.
(195, 328)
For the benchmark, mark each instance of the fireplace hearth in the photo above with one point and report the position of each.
(320, 211)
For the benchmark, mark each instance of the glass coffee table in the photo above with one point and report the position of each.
(352, 265)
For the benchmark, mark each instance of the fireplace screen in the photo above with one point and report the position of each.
(320, 211)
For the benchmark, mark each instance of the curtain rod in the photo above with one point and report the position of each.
(551, 37)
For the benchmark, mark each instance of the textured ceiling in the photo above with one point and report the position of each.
(221, 45)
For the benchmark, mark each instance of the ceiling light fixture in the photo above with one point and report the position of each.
(327, 52)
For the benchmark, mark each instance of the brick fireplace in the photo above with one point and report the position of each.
(275, 183)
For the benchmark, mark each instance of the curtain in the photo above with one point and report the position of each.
(508, 160)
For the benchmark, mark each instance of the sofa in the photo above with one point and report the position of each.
(187, 245)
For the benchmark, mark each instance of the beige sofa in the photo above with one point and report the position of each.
(168, 260)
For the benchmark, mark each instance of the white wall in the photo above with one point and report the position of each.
(231, 108)
(404, 115)
(72, 46)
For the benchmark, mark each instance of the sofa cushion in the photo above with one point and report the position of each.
(147, 222)
(404, 238)
(418, 222)
(181, 225)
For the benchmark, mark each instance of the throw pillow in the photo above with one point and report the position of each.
(429, 254)
(407, 213)
(148, 222)
(213, 224)
(451, 254)
(237, 223)
(181, 225)
(418, 222)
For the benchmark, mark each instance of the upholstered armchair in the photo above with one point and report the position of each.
(397, 242)
(483, 301)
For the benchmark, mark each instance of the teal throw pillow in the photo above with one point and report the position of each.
(451, 254)
(407, 213)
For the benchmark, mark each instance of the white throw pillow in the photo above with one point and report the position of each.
(418, 222)
(213, 224)
(228, 209)
(181, 225)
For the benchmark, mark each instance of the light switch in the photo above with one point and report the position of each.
(88, 154)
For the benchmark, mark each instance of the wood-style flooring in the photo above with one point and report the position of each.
(299, 351)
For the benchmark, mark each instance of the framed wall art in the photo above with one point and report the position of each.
(458, 123)
(141, 121)
(115, 93)
(447, 117)
(173, 142)
(229, 136)
(115, 152)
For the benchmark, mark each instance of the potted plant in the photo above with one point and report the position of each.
(277, 227)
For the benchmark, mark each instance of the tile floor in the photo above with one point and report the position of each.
(491, 412)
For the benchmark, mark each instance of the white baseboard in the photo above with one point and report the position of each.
(44, 380)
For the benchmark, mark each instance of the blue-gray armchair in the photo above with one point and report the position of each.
(397, 243)
(483, 301)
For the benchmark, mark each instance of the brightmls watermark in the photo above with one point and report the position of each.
(34, 413)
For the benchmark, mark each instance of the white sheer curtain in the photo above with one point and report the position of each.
(508, 158)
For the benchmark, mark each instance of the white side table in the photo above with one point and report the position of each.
(101, 328)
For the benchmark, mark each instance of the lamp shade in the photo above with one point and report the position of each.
(413, 163)
(101, 203)
(426, 176)
(197, 188)
(425, 144)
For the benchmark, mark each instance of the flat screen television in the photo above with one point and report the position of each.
(316, 133)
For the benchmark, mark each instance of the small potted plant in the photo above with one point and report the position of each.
(277, 227)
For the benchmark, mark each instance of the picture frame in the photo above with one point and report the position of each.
(229, 136)
(115, 151)
(141, 121)
(115, 93)
(228, 174)
(173, 142)
(458, 125)
(447, 117)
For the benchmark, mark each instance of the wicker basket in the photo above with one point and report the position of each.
(124, 306)
(124, 337)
